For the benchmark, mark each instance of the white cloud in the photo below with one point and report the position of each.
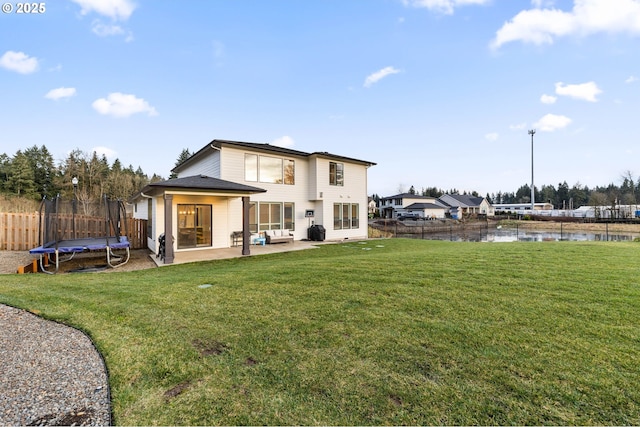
(543, 26)
(119, 10)
(108, 152)
(631, 79)
(548, 99)
(585, 91)
(61, 92)
(552, 122)
(19, 62)
(103, 30)
(443, 6)
(379, 75)
(518, 126)
(284, 142)
(122, 105)
(493, 136)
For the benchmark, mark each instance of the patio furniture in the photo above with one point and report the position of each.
(236, 237)
(278, 236)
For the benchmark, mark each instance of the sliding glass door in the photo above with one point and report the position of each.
(194, 226)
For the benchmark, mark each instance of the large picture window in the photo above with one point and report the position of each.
(346, 215)
(272, 170)
(271, 216)
(194, 226)
(336, 173)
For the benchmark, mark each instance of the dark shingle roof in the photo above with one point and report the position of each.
(464, 200)
(424, 206)
(267, 148)
(202, 182)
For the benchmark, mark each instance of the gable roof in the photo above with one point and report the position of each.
(461, 200)
(265, 148)
(425, 206)
(198, 183)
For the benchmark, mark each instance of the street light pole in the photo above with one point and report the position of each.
(74, 181)
(533, 197)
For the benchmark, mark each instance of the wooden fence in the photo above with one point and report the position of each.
(21, 231)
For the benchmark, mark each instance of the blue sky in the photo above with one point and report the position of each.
(436, 92)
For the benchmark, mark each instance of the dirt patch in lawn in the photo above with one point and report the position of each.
(91, 261)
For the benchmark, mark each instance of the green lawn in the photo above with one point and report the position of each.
(379, 332)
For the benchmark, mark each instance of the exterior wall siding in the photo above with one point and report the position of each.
(354, 190)
(310, 191)
(207, 165)
(233, 170)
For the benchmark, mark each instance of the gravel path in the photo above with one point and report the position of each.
(50, 374)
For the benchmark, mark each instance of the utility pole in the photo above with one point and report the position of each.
(533, 197)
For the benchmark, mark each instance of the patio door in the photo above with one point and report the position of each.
(194, 226)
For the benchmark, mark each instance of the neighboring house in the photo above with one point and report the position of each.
(428, 210)
(229, 187)
(373, 209)
(412, 204)
(461, 205)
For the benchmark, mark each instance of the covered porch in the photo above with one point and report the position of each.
(196, 214)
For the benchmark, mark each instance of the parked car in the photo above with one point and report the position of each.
(404, 217)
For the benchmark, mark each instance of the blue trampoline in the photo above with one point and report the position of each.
(97, 228)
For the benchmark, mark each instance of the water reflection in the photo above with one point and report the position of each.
(520, 235)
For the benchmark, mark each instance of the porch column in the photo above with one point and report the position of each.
(246, 233)
(168, 228)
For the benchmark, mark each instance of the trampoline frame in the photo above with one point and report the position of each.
(53, 249)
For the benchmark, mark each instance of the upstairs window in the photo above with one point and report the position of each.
(273, 170)
(289, 172)
(251, 167)
(336, 173)
(270, 170)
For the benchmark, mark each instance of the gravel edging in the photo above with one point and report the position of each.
(51, 374)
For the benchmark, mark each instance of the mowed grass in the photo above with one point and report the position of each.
(383, 332)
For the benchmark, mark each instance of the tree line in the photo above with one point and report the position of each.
(561, 196)
(565, 197)
(32, 173)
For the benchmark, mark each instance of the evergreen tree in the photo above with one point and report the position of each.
(562, 196)
(184, 155)
(5, 162)
(44, 170)
(20, 179)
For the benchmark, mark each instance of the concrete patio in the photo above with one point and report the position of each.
(236, 252)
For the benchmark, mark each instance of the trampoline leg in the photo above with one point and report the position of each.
(119, 264)
(44, 257)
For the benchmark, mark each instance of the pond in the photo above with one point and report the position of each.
(505, 234)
